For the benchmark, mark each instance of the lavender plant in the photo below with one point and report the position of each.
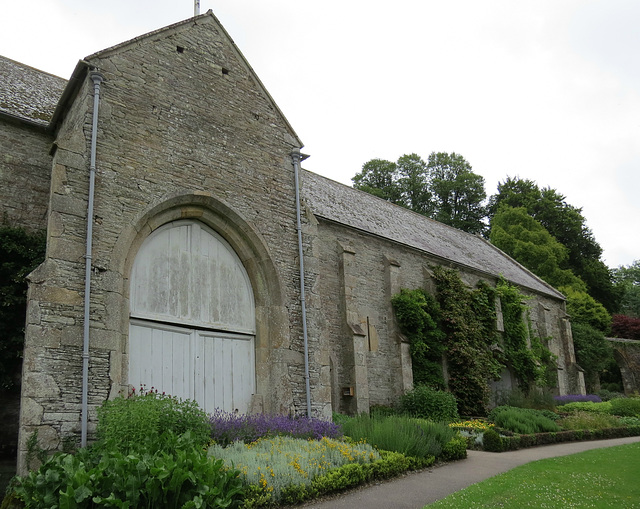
(227, 427)
(576, 398)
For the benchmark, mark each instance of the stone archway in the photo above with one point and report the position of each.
(192, 318)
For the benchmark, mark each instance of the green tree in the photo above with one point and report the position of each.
(586, 310)
(379, 178)
(444, 189)
(568, 226)
(593, 352)
(413, 178)
(20, 253)
(458, 193)
(523, 238)
(526, 240)
(627, 280)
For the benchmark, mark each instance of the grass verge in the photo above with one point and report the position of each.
(600, 478)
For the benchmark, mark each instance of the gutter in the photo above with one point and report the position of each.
(97, 79)
(296, 158)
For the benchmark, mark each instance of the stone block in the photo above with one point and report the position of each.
(31, 412)
(41, 386)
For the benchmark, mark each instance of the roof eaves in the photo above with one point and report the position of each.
(18, 119)
(69, 93)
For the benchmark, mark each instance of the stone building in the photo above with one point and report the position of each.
(186, 278)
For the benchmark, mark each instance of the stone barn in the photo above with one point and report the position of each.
(179, 222)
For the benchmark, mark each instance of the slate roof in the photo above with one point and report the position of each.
(27, 93)
(344, 205)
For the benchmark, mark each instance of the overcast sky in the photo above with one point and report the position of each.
(547, 90)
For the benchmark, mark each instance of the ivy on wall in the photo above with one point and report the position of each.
(20, 253)
(418, 315)
(525, 352)
(468, 321)
(461, 324)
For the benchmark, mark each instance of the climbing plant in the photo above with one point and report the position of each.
(468, 321)
(460, 324)
(418, 314)
(524, 352)
(20, 253)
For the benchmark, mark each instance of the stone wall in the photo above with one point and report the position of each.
(627, 354)
(185, 130)
(357, 274)
(25, 168)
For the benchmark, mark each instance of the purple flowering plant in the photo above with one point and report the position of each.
(229, 427)
(576, 398)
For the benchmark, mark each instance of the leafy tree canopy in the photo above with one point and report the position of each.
(626, 327)
(568, 226)
(523, 238)
(444, 188)
(628, 282)
(586, 310)
(593, 351)
(458, 193)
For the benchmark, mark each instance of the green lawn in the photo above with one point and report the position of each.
(608, 477)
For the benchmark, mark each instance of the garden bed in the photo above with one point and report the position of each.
(513, 441)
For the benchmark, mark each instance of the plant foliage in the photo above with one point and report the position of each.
(20, 253)
(468, 320)
(228, 427)
(127, 424)
(522, 420)
(417, 438)
(418, 315)
(427, 403)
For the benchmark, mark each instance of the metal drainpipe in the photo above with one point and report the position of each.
(97, 78)
(295, 156)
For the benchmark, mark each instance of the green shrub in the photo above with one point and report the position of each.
(522, 420)
(588, 420)
(536, 398)
(389, 465)
(427, 403)
(625, 407)
(340, 419)
(183, 478)
(454, 449)
(492, 441)
(413, 437)
(382, 411)
(131, 423)
(608, 395)
(629, 421)
(586, 406)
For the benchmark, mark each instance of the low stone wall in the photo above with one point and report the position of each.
(627, 354)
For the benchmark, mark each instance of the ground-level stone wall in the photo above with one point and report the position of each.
(25, 168)
(357, 274)
(627, 355)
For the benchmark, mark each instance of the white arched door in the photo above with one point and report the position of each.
(192, 326)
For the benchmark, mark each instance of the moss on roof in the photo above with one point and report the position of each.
(28, 93)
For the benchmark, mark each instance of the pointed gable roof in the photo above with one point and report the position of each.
(207, 17)
(27, 94)
(359, 210)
